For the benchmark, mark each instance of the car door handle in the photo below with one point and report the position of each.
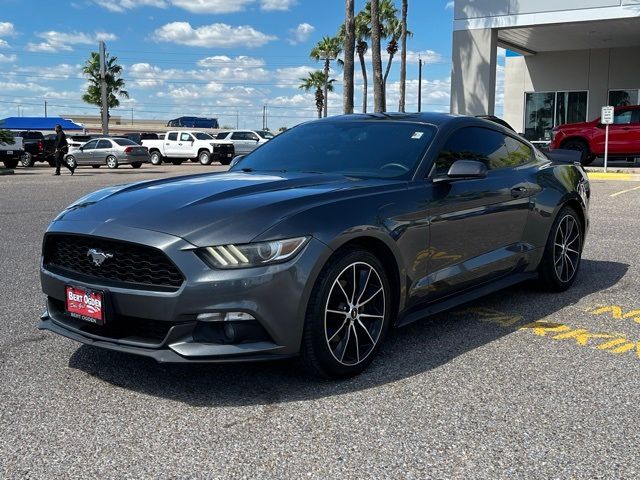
(518, 192)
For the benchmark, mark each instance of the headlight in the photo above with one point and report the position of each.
(253, 254)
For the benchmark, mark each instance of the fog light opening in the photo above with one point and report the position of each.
(225, 317)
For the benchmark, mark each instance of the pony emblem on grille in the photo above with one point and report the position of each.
(98, 257)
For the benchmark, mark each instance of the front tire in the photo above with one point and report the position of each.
(348, 315)
(204, 157)
(27, 160)
(136, 164)
(71, 161)
(586, 157)
(112, 162)
(563, 252)
(11, 163)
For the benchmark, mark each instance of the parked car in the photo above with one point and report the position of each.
(111, 152)
(11, 153)
(76, 141)
(194, 122)
(245, 141)
(316, 243)
(139, 137)
(589, 137)
(178, 146)
(37, 148)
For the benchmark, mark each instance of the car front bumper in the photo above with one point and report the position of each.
(163, 325)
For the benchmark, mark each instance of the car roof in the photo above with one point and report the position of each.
(432, 118)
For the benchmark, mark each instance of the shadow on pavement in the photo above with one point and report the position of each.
(409, 351)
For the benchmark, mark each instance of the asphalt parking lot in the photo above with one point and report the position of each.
(521, 384)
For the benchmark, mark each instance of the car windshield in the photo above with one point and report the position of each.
(202, 136)
(264, 134)
(372, 149)
(124, 142)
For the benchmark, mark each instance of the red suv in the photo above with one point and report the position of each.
(588, 137)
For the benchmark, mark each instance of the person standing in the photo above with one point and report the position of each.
(61, 149)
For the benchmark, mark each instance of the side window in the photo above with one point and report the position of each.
(519, 153)
(104, 144)
(90, 145)
(238, 136)
(252, 136)
(636, 116)
(173, 136)
(622, 117)
(185, 137)
(222, 135)
(473, 143)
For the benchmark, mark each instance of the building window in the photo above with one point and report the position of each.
(623, 98)
(546, 110)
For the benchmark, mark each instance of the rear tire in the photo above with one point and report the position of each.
(156, 158)
(12, 163)
(348, 315)
(136, 164)
(96, 166)
(112, 162)
(563, 252)
(71, 161)
(586, 157)
(27, 160)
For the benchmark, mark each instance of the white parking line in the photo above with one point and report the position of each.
(625, 191)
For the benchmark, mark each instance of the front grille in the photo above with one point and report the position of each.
(131, 265)
(222, 148)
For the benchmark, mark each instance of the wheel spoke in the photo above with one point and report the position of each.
(573, 251)
(367, 331)
(574, 239)
(339, 330)
(355, 334)
(338, 312)
(346, 344)
(355, 285)
(370, 298)
(366, 315)
(343, 291)
(364, 288)
(570, 262)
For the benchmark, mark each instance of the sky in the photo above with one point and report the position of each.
(214, 58)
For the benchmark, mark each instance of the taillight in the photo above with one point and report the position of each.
(128, 150)
(40, 146)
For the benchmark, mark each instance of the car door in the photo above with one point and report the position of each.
(240, 143)
(253, 140)
(476, 225)
(84, 154)
(186, 146)
(171, 145)
(101, 152)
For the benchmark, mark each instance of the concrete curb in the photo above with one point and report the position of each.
(6, 171)
(627, 177)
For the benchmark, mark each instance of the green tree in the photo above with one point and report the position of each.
(6, 137)
(115, 83)
(317, 80)
(393, 30)
(327, 50)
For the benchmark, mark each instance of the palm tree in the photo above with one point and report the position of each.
(317, 80)
(327, 49)
(403, 57)
(349, 42)
(376, 58)
(115, 84)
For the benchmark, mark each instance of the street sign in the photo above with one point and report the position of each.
(607, 115)
(606, 119)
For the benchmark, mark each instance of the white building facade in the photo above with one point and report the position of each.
(571, 58)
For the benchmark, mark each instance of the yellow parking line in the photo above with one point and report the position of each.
(611, 176)
(625, 191)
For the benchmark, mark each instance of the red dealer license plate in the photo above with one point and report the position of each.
(87, 305)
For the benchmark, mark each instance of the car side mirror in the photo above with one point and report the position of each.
(81, 149)
(236, 160)
(464, 170)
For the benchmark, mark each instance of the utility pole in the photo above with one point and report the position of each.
(419, 85)
(45, 109)
(131, 115)
(264, 115)
(237, 120)
(103, 90)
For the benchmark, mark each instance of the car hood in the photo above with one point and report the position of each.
(568, 126)
(210, 209)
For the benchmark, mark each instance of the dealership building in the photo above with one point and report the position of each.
(565, 59)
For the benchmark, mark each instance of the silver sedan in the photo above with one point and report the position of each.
(111, 152)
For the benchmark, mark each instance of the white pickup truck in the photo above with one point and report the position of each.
(10, 153)
(178, 146)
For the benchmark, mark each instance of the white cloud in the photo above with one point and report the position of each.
(217, 35)
(7, 29)
(449, 5)
(212, 6)
(224, 61)
(301, 33)
(280, 5)
(62, 41)
(54, 73)
(290, 76)
(7, 58)
(123, 5)
(4, 44)
(20, 86)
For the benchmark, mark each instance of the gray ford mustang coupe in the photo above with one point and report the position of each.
(315, 244)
